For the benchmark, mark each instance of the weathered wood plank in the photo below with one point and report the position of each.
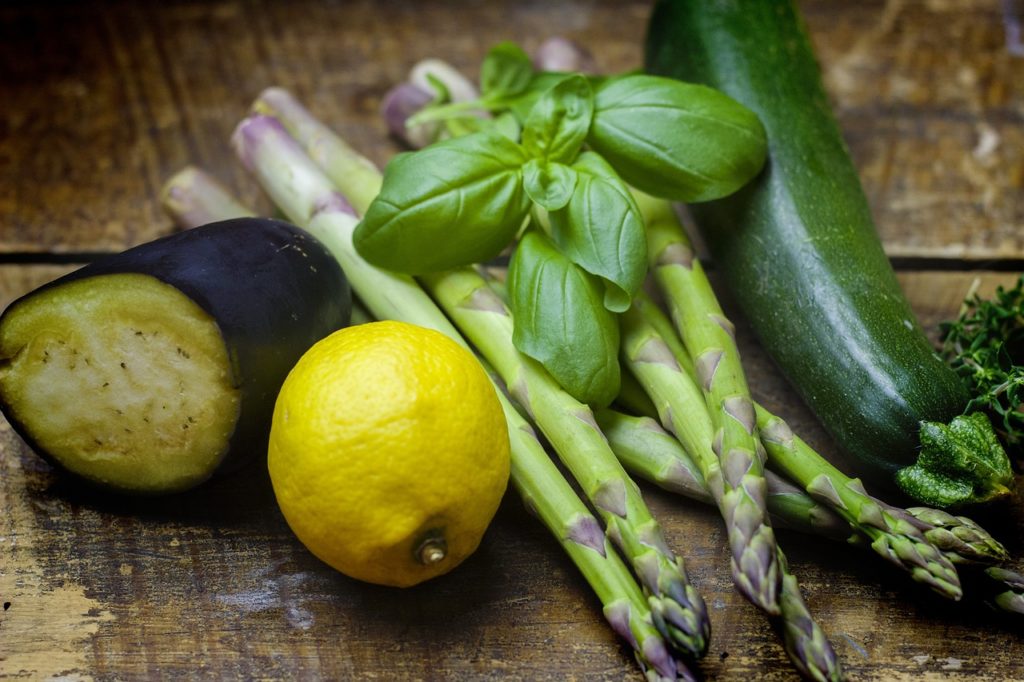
(212, 584)
(102, 102)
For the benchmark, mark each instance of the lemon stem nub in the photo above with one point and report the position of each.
(431, 551)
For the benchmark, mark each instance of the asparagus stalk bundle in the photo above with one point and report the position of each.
(569, 425)
(926, 542)
(296, 185)
(795, 614)
(671, 383)
(650, 453)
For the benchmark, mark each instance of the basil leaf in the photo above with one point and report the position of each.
(558, 122)
(676, 140)
(560, 322)
(507, 125)
(550, 185)
(506, 71)
(441, 92)
(523, 103)
(601, 229)
(454, 203)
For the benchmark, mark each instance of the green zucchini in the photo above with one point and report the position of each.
(801, 255)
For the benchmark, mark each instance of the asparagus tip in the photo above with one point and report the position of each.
(250, 134)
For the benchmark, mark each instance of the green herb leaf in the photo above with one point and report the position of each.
(506, 71)
(676, 140)
(454, 203)
(550, 185)
(560, 321)
(441, 92)
(985, 347)
(959, 464)
(558, 122)
(602, 230)
(522, 104)
(506, 124)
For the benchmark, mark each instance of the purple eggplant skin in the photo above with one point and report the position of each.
(273, 291)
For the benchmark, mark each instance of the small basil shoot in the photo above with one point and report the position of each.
(601, 230)
(506, 71)
(676, 140)
(559, 121)
(560, 320)
(454, 203)
(550, 185)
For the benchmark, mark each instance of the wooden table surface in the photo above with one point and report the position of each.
(101, 102)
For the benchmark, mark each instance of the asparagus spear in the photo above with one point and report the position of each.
(1005, 589)
(962, 540)
(193, 198)
(893, 537)
(570, 427)
(649, 452)
(679, 611)
(708, 337)
(806, 644)
(299, 188)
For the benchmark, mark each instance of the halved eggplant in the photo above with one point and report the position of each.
(149, 370)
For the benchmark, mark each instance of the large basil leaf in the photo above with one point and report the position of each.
(456, 202)
(676, 140)
(558, 122)
(561, 322)
(602, 230)
(506, 71)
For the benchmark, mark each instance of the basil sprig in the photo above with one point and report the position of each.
(568, 146)
(506, 71)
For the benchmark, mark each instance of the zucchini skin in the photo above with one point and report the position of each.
(273, 291)
(798, 246)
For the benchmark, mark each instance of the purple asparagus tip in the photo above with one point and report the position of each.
(251, 133)
(399, 105)
(562, 54)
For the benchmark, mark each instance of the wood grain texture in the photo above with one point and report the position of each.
(104, 100)
(212, 585)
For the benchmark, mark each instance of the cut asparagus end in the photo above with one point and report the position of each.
(960, 464)
(193, 197)
(121, 379)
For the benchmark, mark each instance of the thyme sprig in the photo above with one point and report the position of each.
(985, 346)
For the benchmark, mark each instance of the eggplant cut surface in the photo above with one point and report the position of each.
(150, 370)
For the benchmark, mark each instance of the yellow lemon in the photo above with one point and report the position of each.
(389, 452)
